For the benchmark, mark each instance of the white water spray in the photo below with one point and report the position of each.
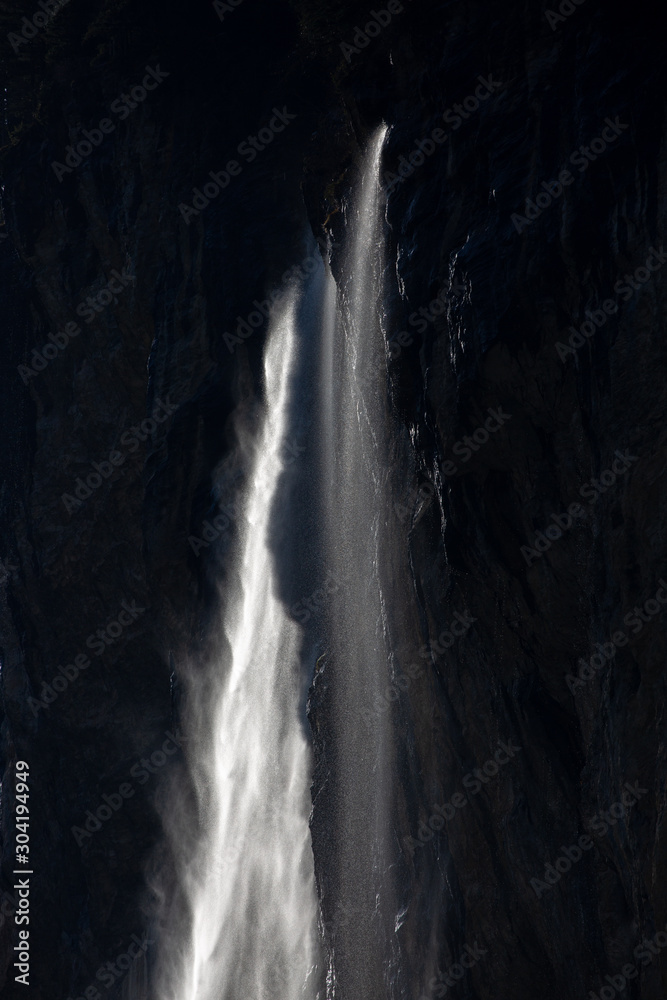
(249, 883)
(242, 923)
(355, 435)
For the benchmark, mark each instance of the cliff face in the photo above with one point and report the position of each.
(530, 382)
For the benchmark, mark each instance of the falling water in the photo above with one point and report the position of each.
(249, 883)
(355, 433)
(242, 918)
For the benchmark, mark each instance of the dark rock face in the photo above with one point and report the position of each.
(541, 723)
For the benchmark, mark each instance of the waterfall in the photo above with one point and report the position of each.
(249, 884)
(242, 918)
(355, 433)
